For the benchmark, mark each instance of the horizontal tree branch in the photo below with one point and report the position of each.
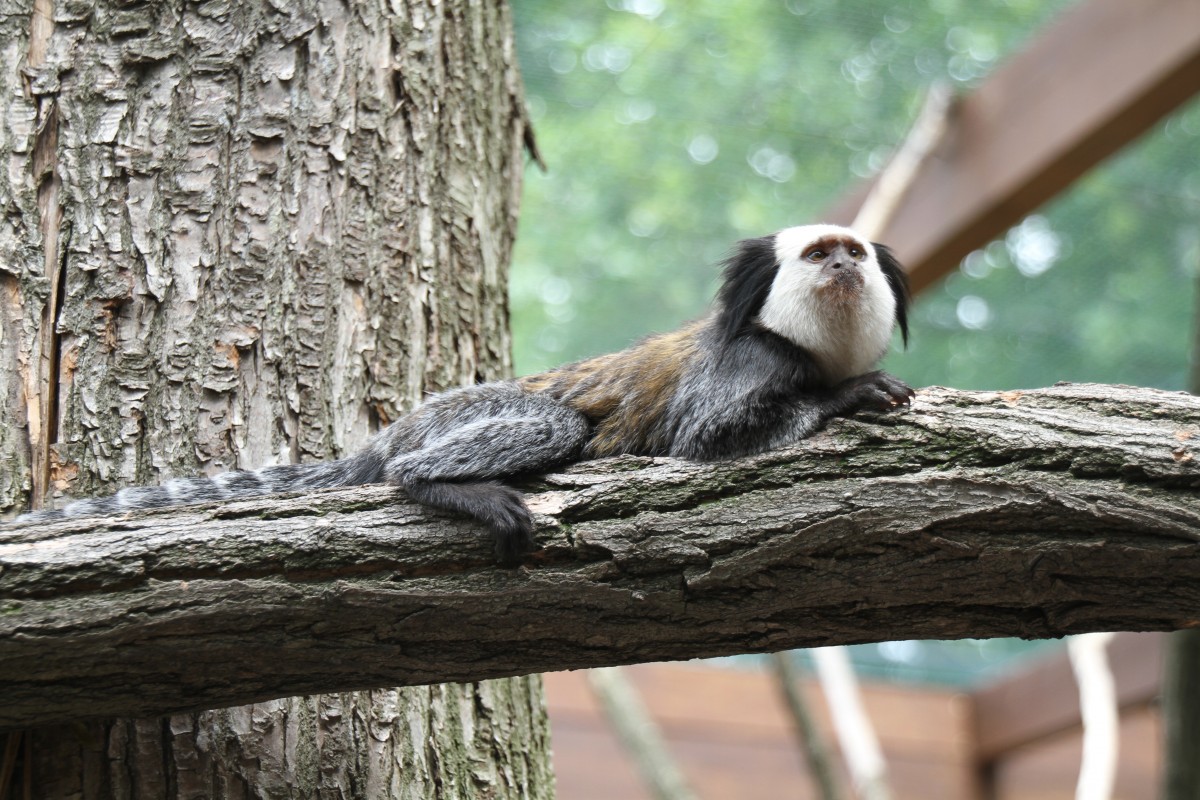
(1032, 514)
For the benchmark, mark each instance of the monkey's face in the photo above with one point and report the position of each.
(838, 264)
(827, 266)
(829, 294)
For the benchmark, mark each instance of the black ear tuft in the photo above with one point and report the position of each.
(747, 277)
(898, 281)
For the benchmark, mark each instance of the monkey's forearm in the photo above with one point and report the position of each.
(754, 426)
(875, 391)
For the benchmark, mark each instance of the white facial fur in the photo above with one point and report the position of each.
(845, 339)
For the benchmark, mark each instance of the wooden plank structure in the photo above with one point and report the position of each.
(1090, 83)
(1042, 701)
(729, 733)
(1027, 736)
(1018, 739)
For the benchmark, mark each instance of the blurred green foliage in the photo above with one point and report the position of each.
(1097, 286)
(673, 129)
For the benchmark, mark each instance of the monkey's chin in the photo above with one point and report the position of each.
(844, 289)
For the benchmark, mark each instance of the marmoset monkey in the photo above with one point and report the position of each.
(800, 321)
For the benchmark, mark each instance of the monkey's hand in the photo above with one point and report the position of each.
(874, 391)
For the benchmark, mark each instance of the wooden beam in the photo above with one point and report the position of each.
(1044, 700)
(1094, 81)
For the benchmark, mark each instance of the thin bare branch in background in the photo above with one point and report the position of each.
(639, 734)
(856, 735)
(881, 204)
(812, 742)
(1098, 708)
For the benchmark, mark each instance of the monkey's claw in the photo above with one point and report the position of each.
(878, 390)
(899, 393)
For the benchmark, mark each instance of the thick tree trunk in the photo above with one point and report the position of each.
(243, 233)
(1180, 707)
(1180, 700)
(1031, 514)
(486, 739)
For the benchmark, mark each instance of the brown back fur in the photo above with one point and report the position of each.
(625, 395)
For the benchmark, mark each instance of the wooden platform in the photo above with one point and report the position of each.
(729, 732)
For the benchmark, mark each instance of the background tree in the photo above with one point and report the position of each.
(236, 234)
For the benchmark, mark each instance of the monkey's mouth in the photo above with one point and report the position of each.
(843, 285)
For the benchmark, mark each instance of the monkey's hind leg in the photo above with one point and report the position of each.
(457, 471)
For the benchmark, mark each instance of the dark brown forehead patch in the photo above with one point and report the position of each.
(828, 243)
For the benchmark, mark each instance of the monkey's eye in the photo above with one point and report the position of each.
(815, 255)
(856, 253)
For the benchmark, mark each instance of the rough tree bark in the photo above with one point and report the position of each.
(242, 233)
(1032, 514)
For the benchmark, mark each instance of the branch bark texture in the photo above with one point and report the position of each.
(1032, 514)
